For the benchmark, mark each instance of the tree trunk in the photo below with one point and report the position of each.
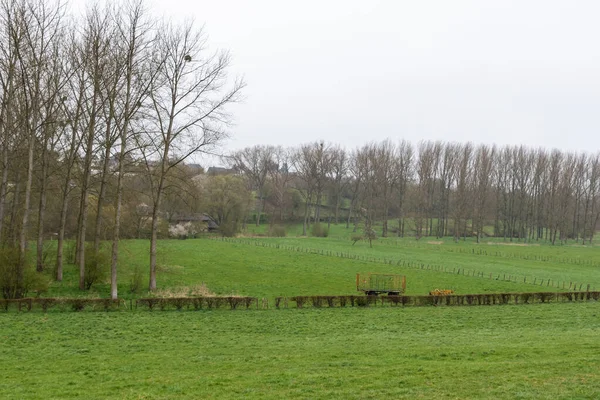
(305, 222)
(116, 228)
(259, 209)
(42, 212)
(3, 188)
(153, 240)
(26, 206)
(101, 195)
(61, 235)
(14, 213)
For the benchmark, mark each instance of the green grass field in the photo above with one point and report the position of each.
(505, 352)
(250, 270)
(543, 351)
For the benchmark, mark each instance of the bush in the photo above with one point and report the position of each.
(355, 238)
(277, 231)
(319, 230)
(17, 278)
(229, 229)
(97, 264)
(135, 282)
(69, 251)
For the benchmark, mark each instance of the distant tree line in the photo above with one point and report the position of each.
(97, 114)
(442, 189)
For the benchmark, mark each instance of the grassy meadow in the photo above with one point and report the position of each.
(546, 351)
(542, 351)
(267, 267)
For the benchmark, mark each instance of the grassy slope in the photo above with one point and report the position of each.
(267, 272)
(504, 352)
(500, 259)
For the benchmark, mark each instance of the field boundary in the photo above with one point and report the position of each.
(150, 303)
(486, 299)
(247, 303)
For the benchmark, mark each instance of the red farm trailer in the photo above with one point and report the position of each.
(374, 284)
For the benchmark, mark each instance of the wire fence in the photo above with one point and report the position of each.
(529, 280)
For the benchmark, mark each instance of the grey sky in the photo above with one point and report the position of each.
(504, 72)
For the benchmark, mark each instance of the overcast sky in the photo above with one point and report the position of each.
(349, 72)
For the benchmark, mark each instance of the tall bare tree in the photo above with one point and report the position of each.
(188, 109)
(256, 162)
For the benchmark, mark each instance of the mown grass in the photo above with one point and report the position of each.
(504, 352)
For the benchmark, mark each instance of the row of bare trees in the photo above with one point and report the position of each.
(85, 104)
(440, 189)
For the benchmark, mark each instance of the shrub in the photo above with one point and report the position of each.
(319, 230)
(300, 300)
(278, 301)
(277, 231)
(234, 302)
(135, 282)
(228, 229)
(355, 238)
(317, 301)
(17, 278)
(97, 264)
(69, 251)
(362, 301)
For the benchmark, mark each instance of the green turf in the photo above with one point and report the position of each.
(547, 351)
(245, 269)
(524, 351)
(533, 262)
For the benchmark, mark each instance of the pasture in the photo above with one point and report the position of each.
(546, 351)
(507, 351)
(245, 267)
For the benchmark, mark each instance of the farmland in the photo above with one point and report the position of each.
(539, 351)
(509, 351)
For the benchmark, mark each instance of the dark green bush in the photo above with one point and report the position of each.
(135, 282)
(319, 230)
(229, 229)
(277, 231)
(97, 264)
(18, 278)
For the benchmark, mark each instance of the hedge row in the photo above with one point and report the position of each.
(197, 303)
(233, 303)
(46, 303)
(452, 300)
(152, 303)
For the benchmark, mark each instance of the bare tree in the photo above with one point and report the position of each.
(94, 53)
(34, 28)
(426, 164)
(338, 180)
(404, 172)
(464, 174)
(135, 76)
(280, 178)
(256, 162)
(305, 165)
(10, 40)
(386, 177)
(357, 170)
(72, 109)
(484, 162)
(188, 100)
